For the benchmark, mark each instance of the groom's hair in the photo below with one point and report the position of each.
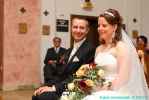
(81, 18)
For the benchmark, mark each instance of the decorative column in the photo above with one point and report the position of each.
(21, 49)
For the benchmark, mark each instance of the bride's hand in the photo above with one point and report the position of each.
(104, 87)
(99, 88)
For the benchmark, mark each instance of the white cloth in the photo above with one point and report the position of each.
(57, 49)
(135, 87)
(109, 64)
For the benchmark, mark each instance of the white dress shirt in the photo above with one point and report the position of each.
(57, 49)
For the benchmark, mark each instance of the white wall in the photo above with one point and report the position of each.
(46, 41)
(62, 9)
(129, 9)
(145, 18)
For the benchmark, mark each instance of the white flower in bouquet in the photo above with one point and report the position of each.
(82, 70)
(89, 83)
(101, 73)
(68, 96)
(64, 97)
(71, 86)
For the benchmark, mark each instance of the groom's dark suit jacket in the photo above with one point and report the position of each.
(85, 54)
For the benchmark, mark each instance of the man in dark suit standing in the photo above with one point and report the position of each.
(52, 58)
(82, 52)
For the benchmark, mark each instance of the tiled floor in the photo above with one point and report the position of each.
(16, 95)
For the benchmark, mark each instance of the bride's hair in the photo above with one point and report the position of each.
(113, 17)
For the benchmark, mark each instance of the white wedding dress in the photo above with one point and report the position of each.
(132, 88)
(109, 63)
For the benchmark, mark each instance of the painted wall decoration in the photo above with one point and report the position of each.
(22, 10)
(22, 28)
(87, 4)
(46, 29)
(135, 34)
(46, 13)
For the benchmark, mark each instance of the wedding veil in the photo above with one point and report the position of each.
(136, 82)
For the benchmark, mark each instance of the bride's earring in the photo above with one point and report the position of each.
(113, 35)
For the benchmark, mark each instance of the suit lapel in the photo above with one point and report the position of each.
(79, 52)
(67, 55)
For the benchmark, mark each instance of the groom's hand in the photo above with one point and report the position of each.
(44, 89)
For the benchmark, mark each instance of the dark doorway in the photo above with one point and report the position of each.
(93, 33)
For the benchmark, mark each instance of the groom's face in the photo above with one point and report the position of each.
(79, 29)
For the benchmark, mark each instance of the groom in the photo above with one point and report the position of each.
(82, 52)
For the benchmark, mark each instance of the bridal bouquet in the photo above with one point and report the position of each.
(86, 78)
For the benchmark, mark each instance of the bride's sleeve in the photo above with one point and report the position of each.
(124, 66)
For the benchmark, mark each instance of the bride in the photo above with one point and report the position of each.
(119, 59)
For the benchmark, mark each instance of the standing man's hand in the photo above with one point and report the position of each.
(51, 61)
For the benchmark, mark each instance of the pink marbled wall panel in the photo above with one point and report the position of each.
(21, 51)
